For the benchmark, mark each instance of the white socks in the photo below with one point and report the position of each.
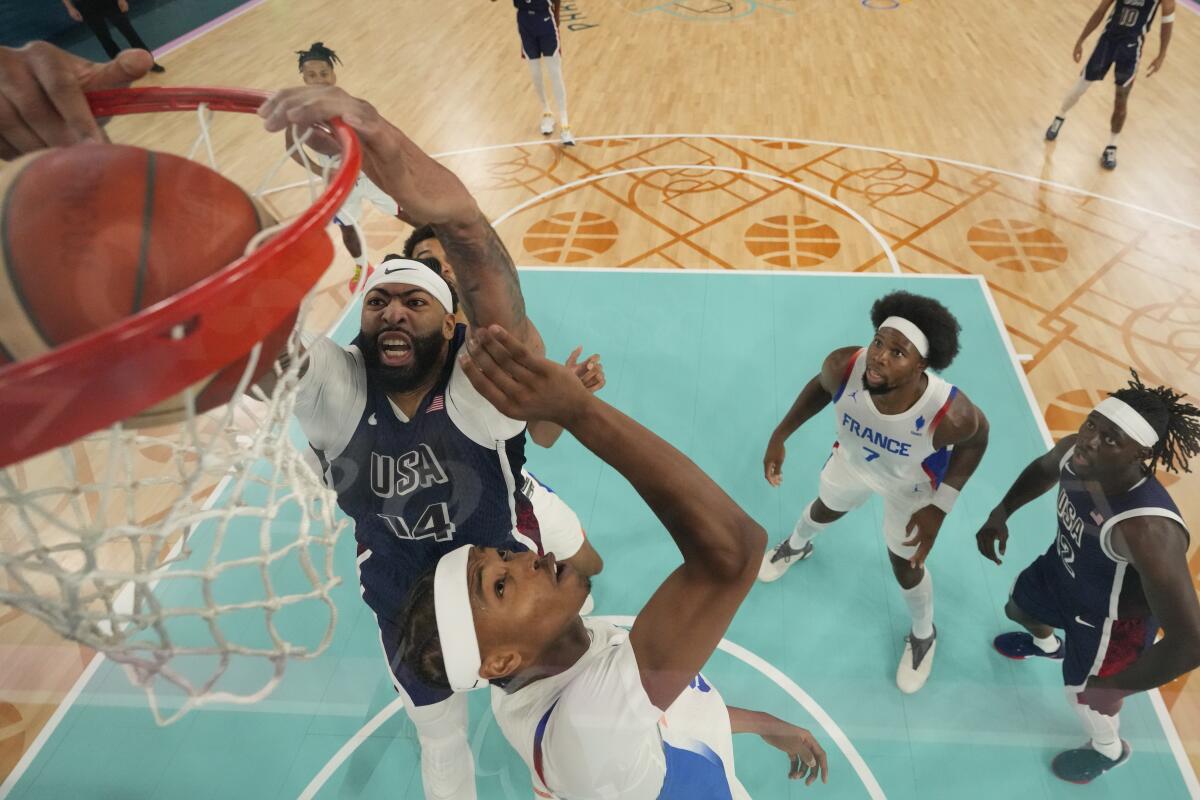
(1047, 645)
(447, 764)
(554, 67)
(805, 529)
(1112, 142)
(535, 72)
(920, 606)
(1073, 96)
(1103, 730)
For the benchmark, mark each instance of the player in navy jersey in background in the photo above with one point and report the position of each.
(537, 25)
(420, 460)
(902, 433)
(1117, 570)
(1121, 46)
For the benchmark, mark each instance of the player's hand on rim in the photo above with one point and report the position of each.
(520, 384)
(42, 101)
(993, 532)
(425, 191)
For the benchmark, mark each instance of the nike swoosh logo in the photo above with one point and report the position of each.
(1081, 621)
(395, 269)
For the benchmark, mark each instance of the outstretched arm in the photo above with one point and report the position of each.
(426, 192)
(680, 626)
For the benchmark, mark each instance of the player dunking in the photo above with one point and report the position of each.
(902, 433)
(595, 711)
(1119, 45)
(420, 460)
(1117, 570)
(537, 25)
(317, 69)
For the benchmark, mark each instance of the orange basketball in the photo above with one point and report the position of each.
(92, 234)
(792, 241)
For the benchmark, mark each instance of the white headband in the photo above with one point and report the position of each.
(456, 622)
(412, 273)
(910, 331)
(1128, 420)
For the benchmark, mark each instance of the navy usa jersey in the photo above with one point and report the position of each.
(419, 488)
(1092, 579)
(1131, 19)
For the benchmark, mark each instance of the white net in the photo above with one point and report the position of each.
(199, 555)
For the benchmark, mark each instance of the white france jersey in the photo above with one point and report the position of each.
(591, 731)
(891, 451)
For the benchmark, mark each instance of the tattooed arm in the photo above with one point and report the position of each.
(487, 279)
(426, 192)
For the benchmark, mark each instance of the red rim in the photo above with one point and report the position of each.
(114, 373)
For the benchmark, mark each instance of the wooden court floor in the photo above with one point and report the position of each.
(792, 134)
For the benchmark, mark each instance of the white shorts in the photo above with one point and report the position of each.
(562, 533)
(844, 489)
(365, 191)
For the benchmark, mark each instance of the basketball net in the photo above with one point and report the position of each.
(200, 555)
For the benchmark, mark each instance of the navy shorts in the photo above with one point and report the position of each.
(1124, 53)
(1095, 645)
(539, 36)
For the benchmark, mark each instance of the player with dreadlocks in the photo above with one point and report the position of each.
(317, 69)
(1117, 570)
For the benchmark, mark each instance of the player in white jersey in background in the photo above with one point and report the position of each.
(594, 710)
(902, 433)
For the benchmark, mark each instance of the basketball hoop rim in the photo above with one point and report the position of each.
(114, 373)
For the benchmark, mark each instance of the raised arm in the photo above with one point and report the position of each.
(1157, 548)
(426, 192)
(680, 626)
(1034, 481)
(815, 395)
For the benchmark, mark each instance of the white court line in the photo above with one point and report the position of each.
(360, 736)
(1160, 709)
(768, 670)
(883, 245)
(742, 137)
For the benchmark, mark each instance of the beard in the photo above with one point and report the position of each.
(426, 357)
(875, 390)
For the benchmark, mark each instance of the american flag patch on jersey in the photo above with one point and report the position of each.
(437, 404)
